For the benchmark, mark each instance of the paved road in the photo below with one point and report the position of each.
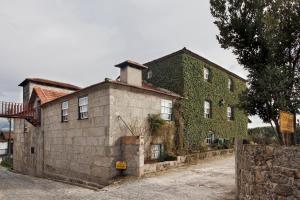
(208, 180)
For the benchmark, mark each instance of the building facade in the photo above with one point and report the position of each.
(79, 133)
(211, 96)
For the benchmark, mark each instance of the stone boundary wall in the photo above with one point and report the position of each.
(181, 160)
(267, 172)
(133, 155)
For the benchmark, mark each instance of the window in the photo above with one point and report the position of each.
(230, 84)
(207, 109)
(166, 109)
(207, 74)
(64, 111)
(149, 74)
(229, 113)
(83, 107)
(156, 151)
(210, 138)
(32, 150)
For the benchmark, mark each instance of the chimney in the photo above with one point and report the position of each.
(131, 72)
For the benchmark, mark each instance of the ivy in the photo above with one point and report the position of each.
(183, 73)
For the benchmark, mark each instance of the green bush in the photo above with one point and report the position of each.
(155, 122)
(7, 162)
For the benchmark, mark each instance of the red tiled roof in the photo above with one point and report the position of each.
(145, 87)
(46, 95)
(50, 83)
(148, 87)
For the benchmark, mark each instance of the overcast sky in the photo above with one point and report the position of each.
(79, 42)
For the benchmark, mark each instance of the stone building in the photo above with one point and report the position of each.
(210, 107)
(77, 133)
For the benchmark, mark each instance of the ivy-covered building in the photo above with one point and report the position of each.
(210, 108)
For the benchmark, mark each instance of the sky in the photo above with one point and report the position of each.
(79, 41)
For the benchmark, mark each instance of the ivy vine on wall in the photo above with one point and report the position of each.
(183, 73)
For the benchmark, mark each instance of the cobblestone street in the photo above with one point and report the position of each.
(212, 179)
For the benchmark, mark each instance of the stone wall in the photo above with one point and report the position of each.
(87, 150)
(133, 155)
(78, 149)
(133, 106)
(28, 148)
(267, 172)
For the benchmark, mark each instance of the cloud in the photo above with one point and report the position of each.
(80, 41)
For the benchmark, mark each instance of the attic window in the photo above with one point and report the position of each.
(149, 74)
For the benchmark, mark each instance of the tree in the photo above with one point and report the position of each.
(265, 37)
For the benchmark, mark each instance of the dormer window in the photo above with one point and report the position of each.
(230, 84)
(149, 74)
(207, 74)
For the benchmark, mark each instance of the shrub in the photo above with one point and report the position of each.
(7, 162)
(155, 123)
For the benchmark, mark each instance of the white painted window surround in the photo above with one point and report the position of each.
(83, 107)
(207, 109)
(166, 109)
(64, 111)
(206, 74)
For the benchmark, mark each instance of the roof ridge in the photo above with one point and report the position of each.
(197, 56)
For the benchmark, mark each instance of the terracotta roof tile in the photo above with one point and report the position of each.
(47, 95)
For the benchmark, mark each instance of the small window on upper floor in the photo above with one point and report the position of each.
(83, 103)
(207, 109)
(149, 74)
(207, 74)
(166, 109)
(64, 111)
(230, 84)
(229, 113)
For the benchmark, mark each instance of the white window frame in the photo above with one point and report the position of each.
(166, 109)
(156, 151)
(206, 73)
(229, 113)
(149, 74)
(83, 103)
(229, 84)
(207, 109)
(64, 111)
(210, 138)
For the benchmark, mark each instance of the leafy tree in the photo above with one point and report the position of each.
(265, 37)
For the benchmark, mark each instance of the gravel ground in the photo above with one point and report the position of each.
(212, 179)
